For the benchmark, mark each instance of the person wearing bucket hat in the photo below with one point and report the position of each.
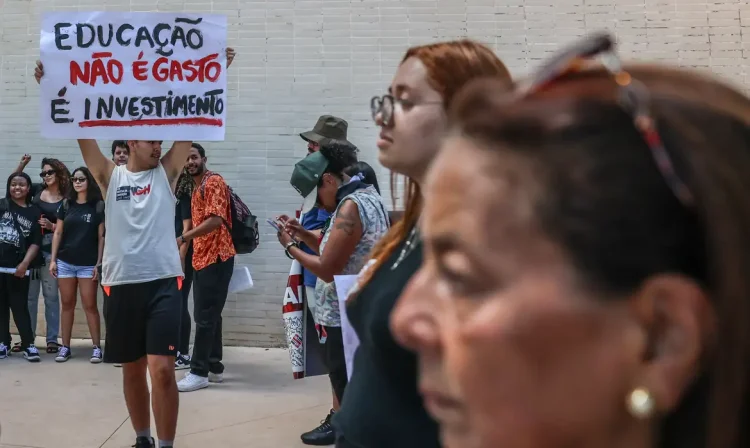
(327, 130)
(358, 221)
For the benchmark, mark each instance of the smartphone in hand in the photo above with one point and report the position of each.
(274, 224)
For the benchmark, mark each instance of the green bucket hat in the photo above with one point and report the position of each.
(306, 176)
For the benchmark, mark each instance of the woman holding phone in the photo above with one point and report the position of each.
(77, 249)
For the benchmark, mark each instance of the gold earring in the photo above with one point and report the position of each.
(640, 403)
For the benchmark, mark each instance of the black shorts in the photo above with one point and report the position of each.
(143, 319)
(335, 361)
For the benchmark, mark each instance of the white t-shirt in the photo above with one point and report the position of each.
(140, 245)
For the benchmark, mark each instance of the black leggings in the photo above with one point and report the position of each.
(185, 321)
(14, 296)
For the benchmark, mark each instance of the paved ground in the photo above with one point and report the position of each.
(80, 405)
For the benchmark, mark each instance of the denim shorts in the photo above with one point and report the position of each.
(66, 270)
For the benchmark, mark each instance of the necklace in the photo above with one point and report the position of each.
(411, 242)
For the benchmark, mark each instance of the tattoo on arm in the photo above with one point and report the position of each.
(346, 220)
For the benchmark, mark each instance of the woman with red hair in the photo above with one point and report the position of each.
(381, 406)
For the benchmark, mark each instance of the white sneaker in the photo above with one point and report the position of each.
(215, 377)
(191, 383)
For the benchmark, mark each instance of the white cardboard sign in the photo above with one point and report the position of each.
(138, 76)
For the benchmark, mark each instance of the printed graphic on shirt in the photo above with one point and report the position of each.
(9, 233)
(124, 193)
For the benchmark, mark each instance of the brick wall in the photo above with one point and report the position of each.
(299, 59)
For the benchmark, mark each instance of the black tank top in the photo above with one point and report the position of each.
(381, 406)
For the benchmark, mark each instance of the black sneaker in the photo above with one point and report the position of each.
(144, 442)
(31, 354)
(96, 355)
(322, 435)
(4, 352)
(182, 362)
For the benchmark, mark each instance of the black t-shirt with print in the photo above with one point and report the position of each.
(80, 238)
(13, 219)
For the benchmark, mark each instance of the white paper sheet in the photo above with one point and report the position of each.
(344, 284)
(241, 279)
(11, 271)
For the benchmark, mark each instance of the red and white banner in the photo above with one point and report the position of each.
(305, 348)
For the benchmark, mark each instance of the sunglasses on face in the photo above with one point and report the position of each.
(47, 173)
(79, 180)
(633, 97)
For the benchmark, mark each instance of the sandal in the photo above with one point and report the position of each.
(53, 347)
(16, 348)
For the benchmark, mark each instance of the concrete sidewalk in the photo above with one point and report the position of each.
(80, 405)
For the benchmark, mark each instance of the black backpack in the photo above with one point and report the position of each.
(244, 230)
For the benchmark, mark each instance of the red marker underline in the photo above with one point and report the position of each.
(200, 121)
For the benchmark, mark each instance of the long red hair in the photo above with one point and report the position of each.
(450, 66)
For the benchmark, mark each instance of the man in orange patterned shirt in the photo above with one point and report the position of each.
(213, 263)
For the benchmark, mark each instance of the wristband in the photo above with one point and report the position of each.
(286, 249)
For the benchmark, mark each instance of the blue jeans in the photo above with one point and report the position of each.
(48, 285)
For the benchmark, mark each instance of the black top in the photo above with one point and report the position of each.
(80, 238)
(181, 213)
(13, 219)
(381, 406)
(49, 211)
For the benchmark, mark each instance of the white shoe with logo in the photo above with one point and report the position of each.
(191, 383)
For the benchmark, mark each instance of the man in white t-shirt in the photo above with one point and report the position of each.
(142, 276)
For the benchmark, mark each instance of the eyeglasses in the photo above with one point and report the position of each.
(78, 180)
(46, 173)
(385, 105)
(633, 97)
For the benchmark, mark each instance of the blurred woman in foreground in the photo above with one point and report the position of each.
(381, 407)
(599, 293)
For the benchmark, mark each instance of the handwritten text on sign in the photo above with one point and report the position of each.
(145, 76)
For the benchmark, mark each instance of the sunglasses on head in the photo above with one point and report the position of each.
(46, 173)
(633, 97)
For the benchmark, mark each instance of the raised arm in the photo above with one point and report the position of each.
(99, 165)
(25, 159)
(174, 160)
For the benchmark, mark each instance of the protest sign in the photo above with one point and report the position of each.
(140, 76)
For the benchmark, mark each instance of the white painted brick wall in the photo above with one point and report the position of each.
(300, 59)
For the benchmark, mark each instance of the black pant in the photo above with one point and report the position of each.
(14, 296)
(209, 294)
(185, 322)
(335, 361)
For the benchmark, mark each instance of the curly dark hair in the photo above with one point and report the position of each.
(185, 185)
(63, 175)
(340, 156)
(93, 192)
